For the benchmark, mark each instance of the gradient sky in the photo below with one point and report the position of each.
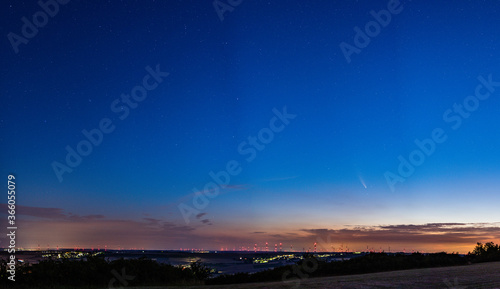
(322, 178)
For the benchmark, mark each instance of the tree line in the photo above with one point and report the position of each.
(97, 272)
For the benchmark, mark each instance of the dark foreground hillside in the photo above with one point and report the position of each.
(360, 272)
(482, 275)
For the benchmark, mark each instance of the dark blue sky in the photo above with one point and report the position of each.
(327, 169)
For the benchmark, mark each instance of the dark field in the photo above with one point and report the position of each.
(483, 275)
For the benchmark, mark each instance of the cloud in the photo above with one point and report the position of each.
(49, 213)
(431, 233)
(206, 222)
(152, 221)
(66, 229)
(235, 187)
(279, 179)
(73, 217)
(124, 233)
(431, 237)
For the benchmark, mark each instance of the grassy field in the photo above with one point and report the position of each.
(484, 275)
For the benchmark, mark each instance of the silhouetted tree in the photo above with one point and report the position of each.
(200, 271)
(485, 252)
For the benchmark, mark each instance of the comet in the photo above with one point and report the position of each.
(362, 181)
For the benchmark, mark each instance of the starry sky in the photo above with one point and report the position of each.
(188, 124)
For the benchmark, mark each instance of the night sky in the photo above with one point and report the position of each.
(190, 124)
